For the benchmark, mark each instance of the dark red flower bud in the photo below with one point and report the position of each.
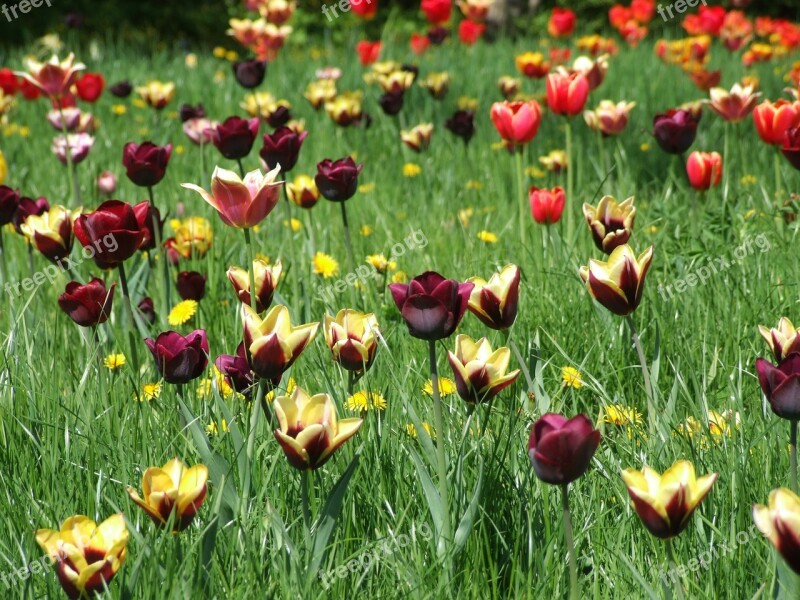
(250, 73)
(180, 359)
(112, 232)
(145, 163)
(9, 202)
(279, 117)
(438, 35)
(675, 130)
(781, 385)
(282, 148)
(235, 136)
(791, 147)
(28, 207)
(89, 304)
(462, 124)
(391, 103)
(121, 89)
(338, 180)
(149, 218)
(188, 112)
(191, 285)
(561, 449)
(236, 370)
(147, 310)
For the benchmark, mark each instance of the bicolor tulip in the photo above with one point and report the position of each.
(53, 78)
(282, 148)
(51, 232)
(337, 180)
(191, 285)
(733, 105)
(532, 64)
(67, 118)
(236, 370)
(480, 373)
(495, 302)
(396, 82)
(783, 340)
(547, 205)
(265, 278)
(273, 343)
(241, 203)
(561, 23)
(234, 137)
(509, 86)
(145, 164)
(675, 130)
(345, 109)
(773, 120)
(611, 223)
(157, 94)
(594, 69)
(418, 138)
(431, 305)
(199, 130)
(28, 207)
(309, 431)
(609, 118)
(318, 93)
(780, 523)
(704, 169)
(179, 358)
(781, 385)
(112, 232)
(77, 144)
(172, 492)
(352, 337)
(618, 284)
(106, 183)
(516, 122)
(303, 191)
(561, 449)
(567, 92)
(87, 304)
(250, 73)
(665, 503)
(437, 84)
(791, 147)
(87, 555)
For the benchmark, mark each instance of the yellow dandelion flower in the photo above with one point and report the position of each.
(150, 391)
(749, 214)
(366, 230)
(464, 215)
(363, 401)
(645, 147)
(219, 76)
(263, 257)
(325, 265)
(399, 277)
(182, 312)
(571, 377)
(617, 414)
(119, 109)
(24, 131)
(749, 180)
(296, 225)
(139, 103)
(487, 237)
(474, 185)
(411, 431)
(467, 103)
(213, 429)
(114, 361)
(219, 52)
(290, 387)
(366, 188)
(378, 262)
(143, 131)
(535, 172)
(411, 170)
(179, 149)
(652, 230)
(231, 56)
(190, 60)
(446, 387)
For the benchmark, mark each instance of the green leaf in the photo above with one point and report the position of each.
(431, 494)
(422, 435)
(468, 520)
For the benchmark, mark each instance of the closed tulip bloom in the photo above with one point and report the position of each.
(495, 302)
(87, 555)
(187, 112)
(733, 105)
(106, 183)
(791, 147)
(611, 223)
(236, 370)
(77, 144)
(547, 205)
(532, 64)
(562, 22)
(462, 124)
(234, 137)
(87, 304)
(337, 180)
(191, 285)
(480, 373)
(90, 86)
(157, 94)
(365, 10)
(352, 338)
(241, 203)
(303, 191)
(780, 523)
(561, 449)
(418, 138)
(173, 488)
(51, 232)
(773, 120)
(665, 503)
(179, 358)
(783, 340)
(391, 103)
(437, 12)
(318, 93)
(282, 148)
(53, 78)
(265, 277)
(594, 69)
(112, 231)
(675, 130)
(781, 385)
(9, 203)
(273, 342)
(29, 207)
(250, 73)
(309, 431)
(121, 89)
(567, 92)
(149, 218)
(516, 122)
(67, 118)
(704, 169)
(145, 164)
(147, 310)
(396, 82)
(509, 86)
(345, 109)
(437, 84)
(431, 305)
(618, 284)
(609, 118)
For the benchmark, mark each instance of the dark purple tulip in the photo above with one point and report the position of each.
(561, 449)
(89, 304)
(145, 163)
(236, 370)
(462, 124)
(282, 148)
(9, 202)
(337, 180)
(438, 35)
(191, 285)
(148, 216)
(791, 147)
(235, 136)
(180, 359)
(187, 112)
(279, 117)
(781, 385)
(675, 130)
(250, 73)
(28, 207)
(391, 103)
(121, 89)
(147, 310)
(112, 231)
(431, 305)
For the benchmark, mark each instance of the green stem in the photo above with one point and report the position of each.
(726, 166)
(3, 261)
(441, 460)
(570, 173)
(778, 178)
(306, 505)
(123, 281)
(793, 456)
(672, 567)
(241, 167)
(350, 255)
(648, 389)
(520, 194)
(573, 563)
(250, 259)
(70, 166)
(166, 292)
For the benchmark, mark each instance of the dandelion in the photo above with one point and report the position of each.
(749, 180)
(219, 52)
(399, 277)
(446, 387)
(487, 237)
(114, 361)
(366, 230)
(179, 149)
(294, 224)
(24, 131)
(190, 60)
(571, 377)
(150, 391)
(213, 429)
(290, 387)
(231, 55)
(619, 415)
(119, 109)
(325, 265)
(366, 188)
(363, 401)
(182, 312)
(535, 173)
(645, 147)
(380, 263)
(411, 431)
(474, 185)
(411, 170)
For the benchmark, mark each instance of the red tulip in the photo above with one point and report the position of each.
(368, 52)
(470, 32)
(781, 385)
(8, 81)
(437, 11)
(112, 232)
(704, 169)
(337, 180)
(419, 43)
(90, 86)
(567, 92)
(88, 304)
(148, 217)
(9, 202)
(236, 370)
(774, 120)
(547, 205)
(235, 136)
(561, 449)
(180, 359)
(191, 285)
(516, 122)
(364, 9)
(561, 23)
(282, 148)
(145, 164)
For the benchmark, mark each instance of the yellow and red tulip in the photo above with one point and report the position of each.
(265, 279)
(704, 169)
(611, 222)
(55, 77)
(609, 118)
(303, 191)
(780, 523)
(532, 64)
(733, 105)
(480, 373)
(51, 232)
(618, 284)
(418, 138)
(495, 302)
(352, 337)
(783, 340)
(157, 94)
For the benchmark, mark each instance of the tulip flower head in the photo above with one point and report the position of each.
(145, 164)
(594, 69)
(480, 373)
(773, 120)
(337, 180)
(609, 118)
(157, 94)
(265, 277)
(567, 92)
(28, 207)
(781, 385)
(112, 232)
(532, 64)
(90, 86)
(516, 122)
(618, 284)
(495, 302)
(733, 105)
(547, 205)
(561, 23)
(309, 431)
(561, 449)
(665, 503)
(303, 191)
(236, 370)
(509, 86)
(282, 148)
(53, 78)
(611, 223)
(475, 10)
(780, 523)
(352, 338)
(179, 358)
(418, 138)
(172, 492)
(791, 147)
(87, 304)
(675, 130)
(437, 12)
(462, 124)
(77, 145)
(250, 73)
(51, 232)
(234, 137)
(191, 285)
(87, 555)
(704, 169)
(783, 340)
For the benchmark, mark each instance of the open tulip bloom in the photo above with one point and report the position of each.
(495, 302)
(780, 523)
(783, 340)
(480, 373)
(618, 283)
(352, 338)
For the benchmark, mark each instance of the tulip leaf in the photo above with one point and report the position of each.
(468, 520)
(422, 435)
(656, 364)
(236, 436)
(323, 529)
(788, 586)
(431, 493)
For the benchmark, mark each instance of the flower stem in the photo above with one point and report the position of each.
(441, 460)
(520, 194)
(778, 178)
(648, 388)
(306, 506)
(672, 567)
(573, 563)
(347, 240)
(570, 173)
(70, 166)
(250, 258)
(793, 455)
(241, 167)
(166, 297)
(123, 281)
(3, 262)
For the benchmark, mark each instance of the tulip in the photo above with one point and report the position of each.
(618, 284)
(509, 86)
(241, 203)
(88, 304)
(29, 207)
(431, 305)
(791, 147)
(157, 94)
(77, 144)
(396, 82)
(234, 137)
(704, 169)
(593, 69)
(567, 92)
(179, 358)
(187, 112)
(145, 164)
(437, 12)
(199, 130)
(368, 52)
(279, 12)
(419, 43)
(391, 103)
(87, 555)
(532, 64)
(418, 138)
(51, 232)
(480, 373)
(665, 503)
(611, 223)
(149, 219)
(437, 84)
(309, 431)
(783, 340)
(470, 32)
(191, 285)
(265, 278)
(781, 385)
(112, 231)
(561, 22)
(236, 370)
(516, 122)
(53, 78)
(345, 109)
(121, 89)
(475, 10)
(780, 523)
(675, 130)
(735, 105)
(365, 10)
(462, 124)
(320, 92)
(561, 449)
(337, 180)
(106, 183)
(90, 86)
(147, 310)
(273, 343)
(250, 73)
(9, 203)
(303, 191)
(495, 302)
(66, 118)
(172, 491)
(282, 148)
(774, 120)
(352, 338)
(546, 205)
(609, 118)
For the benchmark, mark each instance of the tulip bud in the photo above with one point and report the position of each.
(250, 73)
(561, 449)
(187, 112)
(236, 370)
(418, 138)
(29, 207)
(90, 86)
(495, 302)
(282, 148)
(191, 285)
(479, 372)
(121, 89)
(773, 120)
(77, 144)
(462, 124)
(781, 385)
(516, 122)
(567, 92)
(431, 305)
(611, 223)
(675, 130)
(146, 164)
(265, 278)
(532, 64)
(235, 136)
(89, 304)
(112, 231)
(547, 205)
(391, 103)
(618, 284)
(179, 358)
(780, 523)
(352, 338)
(303, 191)
(9, 203)
(783, 340)
(107, 183)
(337, 180)
(147, 310)
(609, 118)
(704, 169)
(509, 86)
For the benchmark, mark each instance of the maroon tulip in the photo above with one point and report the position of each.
(145, 164)
(279, 117)
(431, 305)
(148, 216)
(234, 137)
(791, 147)
(180, 359)
(191, 285)
(561, 449)
(147, 310)
(187, 112)
(781, 385)
(337, 180)
(250, 73)
(89, 304)
(236, 370)
(112, 232)
(675, 130)
(462, 124)
(28, 207)
(282, 148)
(392, 103)
(121, 89)
(9, 201)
